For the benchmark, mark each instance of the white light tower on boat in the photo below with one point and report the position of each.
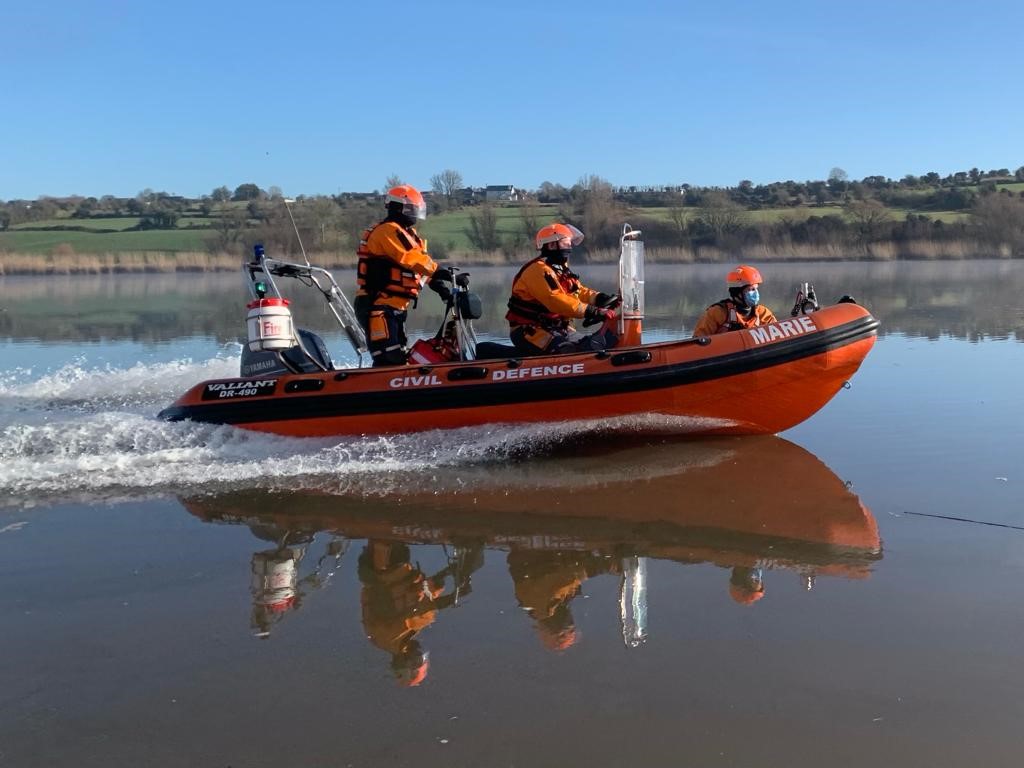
(631, 287)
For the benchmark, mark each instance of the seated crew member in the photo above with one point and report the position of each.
(746, 584)
(546, 582)
(547, 297)
(393, 265)
(741, 310)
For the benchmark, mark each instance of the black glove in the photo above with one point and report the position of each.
(441, 289)
(441, 274)
(596, 314)
(609, 300)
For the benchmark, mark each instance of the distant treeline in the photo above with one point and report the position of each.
(961, 215)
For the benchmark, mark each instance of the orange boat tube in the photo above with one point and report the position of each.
(678, 502)
(755, 381)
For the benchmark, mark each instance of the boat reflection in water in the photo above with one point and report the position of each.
(747, 505)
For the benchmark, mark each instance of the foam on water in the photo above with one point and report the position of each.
(81, 433)
(77, 386)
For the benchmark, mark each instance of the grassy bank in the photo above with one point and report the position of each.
(137, 262)
(201, 261)
(103, 243)
(447, 231)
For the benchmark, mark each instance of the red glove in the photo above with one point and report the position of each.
(596, 314)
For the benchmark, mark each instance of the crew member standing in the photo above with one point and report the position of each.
(393, 266)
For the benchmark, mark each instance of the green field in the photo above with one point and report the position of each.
(105, 242)
(447, 229)
(450, 228)
(196, 221)
(120, 223)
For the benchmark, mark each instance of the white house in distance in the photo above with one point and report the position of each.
(501, 193)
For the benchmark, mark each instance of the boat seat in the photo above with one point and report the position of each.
(492, 350)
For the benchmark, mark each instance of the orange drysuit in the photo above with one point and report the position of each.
(393, 264)
(722, 316)
(544, 301)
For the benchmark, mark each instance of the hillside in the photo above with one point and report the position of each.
(964, 215)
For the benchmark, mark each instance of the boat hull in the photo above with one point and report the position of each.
(674, 501)
(757, 381)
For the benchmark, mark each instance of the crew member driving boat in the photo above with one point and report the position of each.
(393, 265)
(547, 297)
(743, 308)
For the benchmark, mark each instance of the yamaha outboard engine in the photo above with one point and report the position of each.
(309, 355)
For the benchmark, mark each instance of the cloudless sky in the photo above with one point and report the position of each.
(321, 97)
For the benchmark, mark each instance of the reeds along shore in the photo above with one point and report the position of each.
(198, 261)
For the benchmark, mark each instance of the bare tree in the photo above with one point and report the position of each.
(867, 217)
(394, 180)
(227, 230)
(595, 211)
(325, 217)
(837, 181)
(446, 183)
(677, 213)
(718, 215)
(1000, 220)
(529, 214)
(483, 228)
(838, 174)
(590, 188)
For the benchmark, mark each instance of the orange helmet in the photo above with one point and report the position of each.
(746, 585)
(410, 666)
(743, 275)
(557, 631)
(410, 199)
(744, 595)
(566, 235)
(556, 639)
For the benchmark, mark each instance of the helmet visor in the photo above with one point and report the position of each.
(575, 238)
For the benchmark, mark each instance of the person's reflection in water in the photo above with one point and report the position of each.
(746, 585)
(276, 587)
(546, 582)
(399, 601)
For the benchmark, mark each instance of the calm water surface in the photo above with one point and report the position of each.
(548, 595)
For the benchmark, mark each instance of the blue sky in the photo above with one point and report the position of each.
(321, 97)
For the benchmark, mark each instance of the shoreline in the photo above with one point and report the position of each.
(166, 262)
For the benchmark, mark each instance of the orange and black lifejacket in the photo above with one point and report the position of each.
(533, 313)
(378, 275)
(732, 318)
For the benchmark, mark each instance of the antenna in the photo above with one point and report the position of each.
(298, 237)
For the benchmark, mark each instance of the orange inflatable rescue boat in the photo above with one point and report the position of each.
(755, 381)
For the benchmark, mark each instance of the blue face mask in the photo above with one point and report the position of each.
(751, 297)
